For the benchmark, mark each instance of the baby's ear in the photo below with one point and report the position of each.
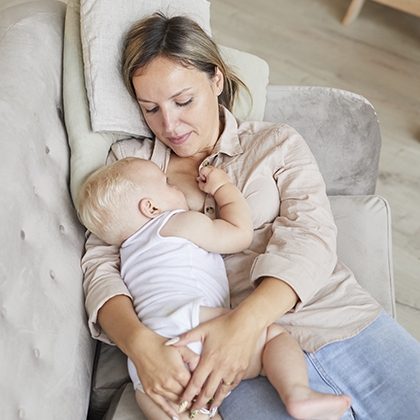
(147, 208)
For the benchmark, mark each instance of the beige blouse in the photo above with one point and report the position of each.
(294, 239)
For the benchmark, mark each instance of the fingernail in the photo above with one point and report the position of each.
(194, 413)
(172, 341)
(227, 395)
(213, 412)
(182, 407)
(175, 418)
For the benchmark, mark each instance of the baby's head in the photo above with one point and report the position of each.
(118, 199)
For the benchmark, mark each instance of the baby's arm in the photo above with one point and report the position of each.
(231, 232)
(233, 208)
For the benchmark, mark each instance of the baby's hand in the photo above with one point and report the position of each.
(211, 179)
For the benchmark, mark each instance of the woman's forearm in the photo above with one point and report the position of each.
(119, 320)
(268, 302)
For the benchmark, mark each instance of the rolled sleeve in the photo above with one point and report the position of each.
(302, 248)
(102, 281)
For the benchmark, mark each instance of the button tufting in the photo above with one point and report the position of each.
(47, 150)
(52, 274)
(59, 113)
(21, 413)
(3, 312)
(62, 229)
(37, 353)
(22, 234)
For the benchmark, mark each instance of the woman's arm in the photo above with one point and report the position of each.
(161, 369)
(112, 318)
(298, 261)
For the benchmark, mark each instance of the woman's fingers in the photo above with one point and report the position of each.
(189, 357)
(225, 358)
(223, 392)
(162, 371)
(214, 389)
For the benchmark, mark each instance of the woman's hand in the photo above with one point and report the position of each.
(230, 340)
(227, 351)
(160, 368)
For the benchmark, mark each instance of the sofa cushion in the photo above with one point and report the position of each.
(89, 148)
(46, 352)
(124, 406)
(363, 244)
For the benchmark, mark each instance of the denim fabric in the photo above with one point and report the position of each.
(379, 368)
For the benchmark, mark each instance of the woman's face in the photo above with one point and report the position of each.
(180, 105)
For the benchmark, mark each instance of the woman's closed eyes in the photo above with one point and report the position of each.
(181, 104)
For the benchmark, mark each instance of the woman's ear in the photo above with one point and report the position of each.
(218, 80)
(148, 209)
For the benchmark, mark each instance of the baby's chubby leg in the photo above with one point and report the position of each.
(278, 356)
(285, 366)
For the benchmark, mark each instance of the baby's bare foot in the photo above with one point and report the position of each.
(311, 405)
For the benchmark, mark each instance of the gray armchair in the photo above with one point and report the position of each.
(48, 362)
(342, 131)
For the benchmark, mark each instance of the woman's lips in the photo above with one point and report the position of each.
(179, 139)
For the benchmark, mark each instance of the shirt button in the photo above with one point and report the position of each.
(206, 163)
(210, 210)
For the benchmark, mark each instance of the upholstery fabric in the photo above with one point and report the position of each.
(46, 353)
(88, 149)
(364, 228)
(341, 129)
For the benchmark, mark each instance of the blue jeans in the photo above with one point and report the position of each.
(379, 368)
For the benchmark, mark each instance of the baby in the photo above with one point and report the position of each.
(171, 264)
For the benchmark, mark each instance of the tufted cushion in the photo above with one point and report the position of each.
(46, 352)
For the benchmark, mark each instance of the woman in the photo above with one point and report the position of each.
(290, 272)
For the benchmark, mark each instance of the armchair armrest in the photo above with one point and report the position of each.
(340, 127)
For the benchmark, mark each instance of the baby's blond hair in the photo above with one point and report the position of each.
(103, 198)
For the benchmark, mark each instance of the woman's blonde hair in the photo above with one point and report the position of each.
(179, 39)
(102, 200)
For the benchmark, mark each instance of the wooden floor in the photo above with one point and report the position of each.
(377, 56)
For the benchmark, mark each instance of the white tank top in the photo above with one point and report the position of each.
(166, 273)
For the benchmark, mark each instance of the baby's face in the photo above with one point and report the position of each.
(165, 196)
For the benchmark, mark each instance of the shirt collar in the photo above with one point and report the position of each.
(228, 142)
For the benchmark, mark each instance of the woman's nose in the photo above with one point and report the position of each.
(170, 120)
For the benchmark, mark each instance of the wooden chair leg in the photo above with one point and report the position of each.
(353, 11)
